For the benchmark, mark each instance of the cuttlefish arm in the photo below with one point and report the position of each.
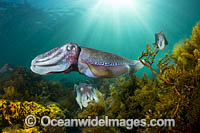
(90, 62)
(57, 60)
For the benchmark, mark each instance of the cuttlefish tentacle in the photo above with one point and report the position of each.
(90, 62)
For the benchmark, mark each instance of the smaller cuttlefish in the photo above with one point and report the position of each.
(86, 93)
(90, 62)
(160, 41)
(6, 68)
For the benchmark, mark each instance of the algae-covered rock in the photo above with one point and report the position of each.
(23, 85)
(28, 130)
(14, 113)
(100, 130)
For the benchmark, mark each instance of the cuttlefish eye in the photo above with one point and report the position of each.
(71, 48)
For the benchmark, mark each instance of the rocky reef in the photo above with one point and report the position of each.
(13, 114)
(23, 93)
(173, 94)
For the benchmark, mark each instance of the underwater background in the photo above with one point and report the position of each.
(31, 27)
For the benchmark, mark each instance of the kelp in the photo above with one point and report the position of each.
(124, 102)
(23, 85)
(180, 99)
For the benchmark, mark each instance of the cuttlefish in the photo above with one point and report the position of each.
(90, 62)
(85, 93)
(6, 68)
(160, 41)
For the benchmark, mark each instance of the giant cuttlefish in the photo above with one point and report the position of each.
(90, 62)
(86, 93)
(6, 68)
(160, 41)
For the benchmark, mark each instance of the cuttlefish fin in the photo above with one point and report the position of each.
(137, 66)
(99, 71)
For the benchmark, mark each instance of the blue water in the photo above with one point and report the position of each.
(123, 27)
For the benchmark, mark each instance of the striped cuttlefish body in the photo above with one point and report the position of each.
(90, 62)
